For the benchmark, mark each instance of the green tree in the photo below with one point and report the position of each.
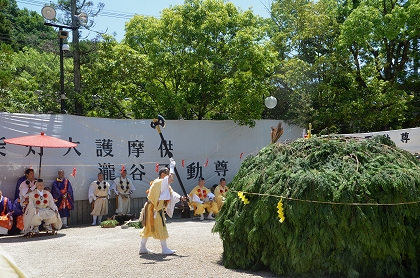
(5, 24)
(379, 54)
(345, 61)
(114, 78)
(205, 60)
(33, 82)
(20, 28)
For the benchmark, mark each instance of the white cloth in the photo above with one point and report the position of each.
(211, 196)
(94, 191)
(172, 202)
(116, 186)
(8, 266)
(195, 198)
(24, 188)
(41, 207)
(122, 188)
(172, 166)
(165, 193)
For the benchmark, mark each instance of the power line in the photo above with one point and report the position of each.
(32, 2)
(104, 12)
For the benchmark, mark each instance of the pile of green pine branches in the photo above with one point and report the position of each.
(351, 208)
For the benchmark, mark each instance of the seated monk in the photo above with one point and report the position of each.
(202, 199)
(41, 207)
(220, 192)
(17, 218)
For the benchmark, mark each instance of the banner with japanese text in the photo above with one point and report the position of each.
(208, 149)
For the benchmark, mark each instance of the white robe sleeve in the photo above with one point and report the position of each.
(172, 202)
(165, 194)
(91, 193)
(23, 190)
(195, 198)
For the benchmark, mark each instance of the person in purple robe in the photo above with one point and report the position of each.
(6, 219)
(17, 218)
(62, 192)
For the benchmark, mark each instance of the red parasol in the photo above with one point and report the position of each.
(42, 141)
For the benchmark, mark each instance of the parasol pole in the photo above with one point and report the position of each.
(40, 161)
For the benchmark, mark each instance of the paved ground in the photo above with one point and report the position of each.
(88, 251)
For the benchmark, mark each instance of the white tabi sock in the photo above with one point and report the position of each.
(94, 220)
(143, 248)
(64, 221)
(165, 249)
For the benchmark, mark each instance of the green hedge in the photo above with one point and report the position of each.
(328, 228)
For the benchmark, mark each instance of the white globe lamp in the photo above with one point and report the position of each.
(270, 102)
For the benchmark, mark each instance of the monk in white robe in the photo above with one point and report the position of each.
(123, 188)
(161, 200)
(41, 207)
(98, 196)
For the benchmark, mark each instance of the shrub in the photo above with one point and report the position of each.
(350, 205)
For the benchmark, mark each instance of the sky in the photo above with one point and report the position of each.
(117, 12)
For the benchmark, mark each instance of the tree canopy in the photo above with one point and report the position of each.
(23, 28)
(200, 60)
(344, 66)
(343, 63)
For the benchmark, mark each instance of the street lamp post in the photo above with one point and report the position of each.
(61, 36)
(49, 13)
(62, 95)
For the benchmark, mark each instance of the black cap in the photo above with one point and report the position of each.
(163, 170)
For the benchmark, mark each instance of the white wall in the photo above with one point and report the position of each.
(193, 143)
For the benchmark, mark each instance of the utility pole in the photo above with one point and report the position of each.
(76, 59)
(62, 95)
(61, 35)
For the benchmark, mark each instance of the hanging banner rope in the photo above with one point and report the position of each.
(241, 193)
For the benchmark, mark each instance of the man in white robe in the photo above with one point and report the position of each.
(26, 187)
(123, 188)
(161, 199)
(41, 207)
(98, 196)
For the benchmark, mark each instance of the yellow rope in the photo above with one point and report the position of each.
(324, 202)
